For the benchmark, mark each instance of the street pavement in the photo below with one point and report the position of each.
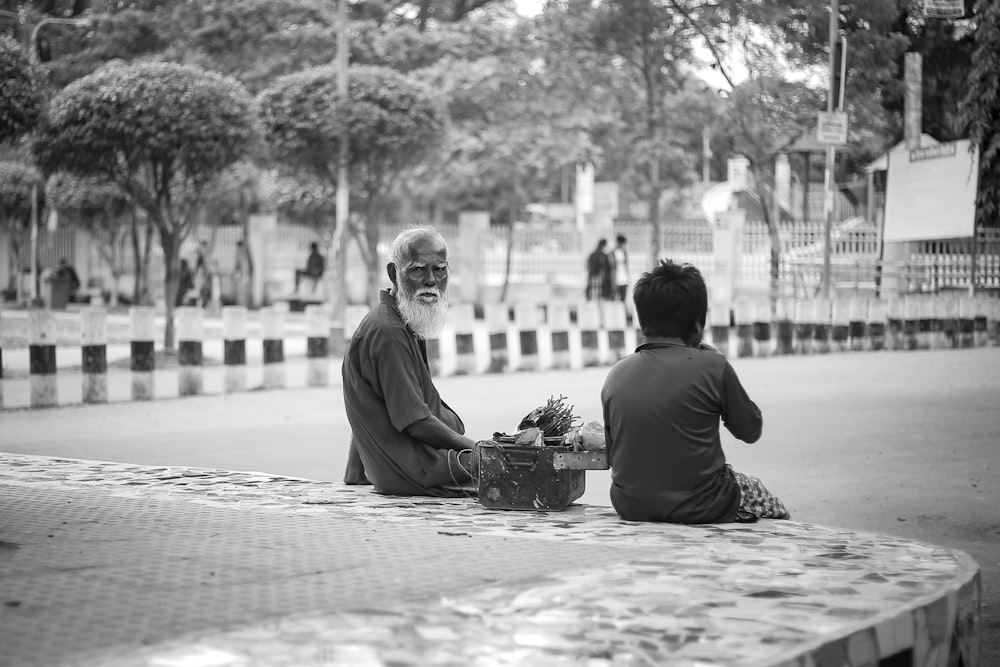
(900, 443)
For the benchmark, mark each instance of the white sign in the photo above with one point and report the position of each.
(831, 127)
(944, 9)
(931, 192)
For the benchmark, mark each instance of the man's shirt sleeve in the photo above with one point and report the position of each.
(399, 372)
(740, 415)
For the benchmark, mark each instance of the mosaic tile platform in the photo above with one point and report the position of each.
(448, 582)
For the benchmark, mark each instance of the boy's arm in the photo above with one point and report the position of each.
(739, 414)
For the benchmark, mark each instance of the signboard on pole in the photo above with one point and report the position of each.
(831, 127)
(944, 9)
(931, 192)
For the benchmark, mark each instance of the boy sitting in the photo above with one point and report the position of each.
(662, 407)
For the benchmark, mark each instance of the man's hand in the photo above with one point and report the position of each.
(436, 434)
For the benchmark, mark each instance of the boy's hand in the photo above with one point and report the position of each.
(707, 346)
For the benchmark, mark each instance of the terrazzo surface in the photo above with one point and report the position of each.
(119, 565)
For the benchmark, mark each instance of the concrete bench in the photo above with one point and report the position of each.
(252, 568)
(281, 289)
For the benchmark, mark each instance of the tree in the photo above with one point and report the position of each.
(390, 119)
(768, 115)
(20, 93)
(162, 133)
(648, 38)
(103, 209)
(420, 13)
(879, 34)
(980, 111)
(231, 199)
(301, 199)
(517, 117)
(18, 184)
(256, 41)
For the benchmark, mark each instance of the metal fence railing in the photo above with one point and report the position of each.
(556, 256)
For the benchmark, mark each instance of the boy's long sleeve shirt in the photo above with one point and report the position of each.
(662, 411)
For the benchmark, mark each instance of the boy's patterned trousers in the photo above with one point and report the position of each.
(756, 502)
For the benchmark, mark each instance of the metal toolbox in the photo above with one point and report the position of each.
(528, 477)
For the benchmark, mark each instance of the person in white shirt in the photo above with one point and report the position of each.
(619, 258)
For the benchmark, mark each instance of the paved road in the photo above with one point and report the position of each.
(905, 443)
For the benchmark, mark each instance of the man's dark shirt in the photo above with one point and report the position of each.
(315, 265)
(662, 407)
(387, 387)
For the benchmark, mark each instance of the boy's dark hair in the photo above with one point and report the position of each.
(671, 300)
(620, 239)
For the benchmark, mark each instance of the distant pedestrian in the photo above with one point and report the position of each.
(186, 294)
(203, 275)
(67, 273)
(598, 267)
(315, 268)
(619, 258)
(241, 274)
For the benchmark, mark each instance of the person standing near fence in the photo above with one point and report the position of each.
(203, 275)
(598, 269)
(185, 287)
(241, 274)
(619, 259)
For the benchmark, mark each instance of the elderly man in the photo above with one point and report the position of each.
(406, 440)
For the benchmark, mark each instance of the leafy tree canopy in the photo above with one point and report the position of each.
(20, 94)
(391, 121)
(17, 180)
(980, 110)
(148, 127)
(86, 200)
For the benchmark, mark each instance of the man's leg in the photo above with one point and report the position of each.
(756, 502)
(355, 471)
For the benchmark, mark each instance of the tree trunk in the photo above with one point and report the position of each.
(115, 277)
(654, 211)
(652, 130)
(171, 282)
(511, 215)
(507, 261)
(767, 204)
(245, 281)
(144, 295)
(136, 260)
(772, 230)
(371, 239)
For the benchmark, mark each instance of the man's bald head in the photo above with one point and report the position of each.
(400, 250)
(418, 269)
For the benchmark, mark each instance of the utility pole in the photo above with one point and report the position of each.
(343, 188)
(34, 60)
(830, 149)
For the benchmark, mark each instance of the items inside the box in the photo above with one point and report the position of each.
(542, 465)
(554, 424)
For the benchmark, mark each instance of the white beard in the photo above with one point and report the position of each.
(426, 318)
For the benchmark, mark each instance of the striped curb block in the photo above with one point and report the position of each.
(500, 338)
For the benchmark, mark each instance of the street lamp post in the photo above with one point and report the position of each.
(35, 60)
(828, 195)
(343, 199)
